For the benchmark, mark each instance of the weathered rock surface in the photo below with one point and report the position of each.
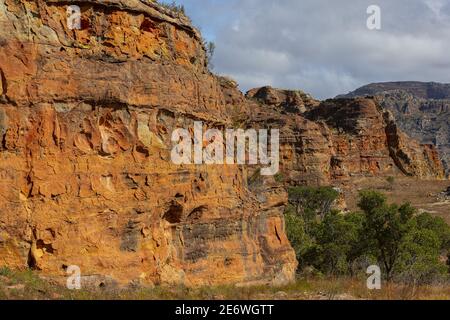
(421, 109)
(283, 101)
(86, 178)
(330, 142)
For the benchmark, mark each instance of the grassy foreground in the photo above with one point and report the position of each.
(28, 285)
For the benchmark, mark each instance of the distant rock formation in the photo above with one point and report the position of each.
(330, 142)
(420, 90)
(421, 109)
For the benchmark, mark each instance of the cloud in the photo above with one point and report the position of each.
(324, 47)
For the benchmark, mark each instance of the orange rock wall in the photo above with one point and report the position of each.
(86, 178)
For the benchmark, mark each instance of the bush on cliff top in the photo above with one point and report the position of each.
(173, 6)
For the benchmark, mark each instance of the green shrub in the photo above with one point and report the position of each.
(407, 246)
(302, 241)
(437, 225)
(5, 271)
(418, 258)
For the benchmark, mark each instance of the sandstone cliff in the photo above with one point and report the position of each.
(86, 178)
(86, 118)
(332, 141)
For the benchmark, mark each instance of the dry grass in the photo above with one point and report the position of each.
(28, 285)
(423, 194)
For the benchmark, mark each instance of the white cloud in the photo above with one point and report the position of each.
(436, 5)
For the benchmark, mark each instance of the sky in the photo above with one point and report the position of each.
(324, 47)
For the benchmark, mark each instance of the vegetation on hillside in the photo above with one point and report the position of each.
(210, 46)
(408, 247)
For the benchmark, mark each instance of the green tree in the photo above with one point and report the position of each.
(383, 228)
(310, 203)
(438, 226)
(321, 237)
(408, 245)
(418, 260)
(337, 237)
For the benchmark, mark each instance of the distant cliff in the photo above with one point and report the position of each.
(421, 109)
(420, 90)
(332, 141)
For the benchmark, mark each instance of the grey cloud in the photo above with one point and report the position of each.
(324, 47)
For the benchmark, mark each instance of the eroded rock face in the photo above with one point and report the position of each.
(86, 118)
(329, 142)
(422, 109)
(369, 142)
(284, 101)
